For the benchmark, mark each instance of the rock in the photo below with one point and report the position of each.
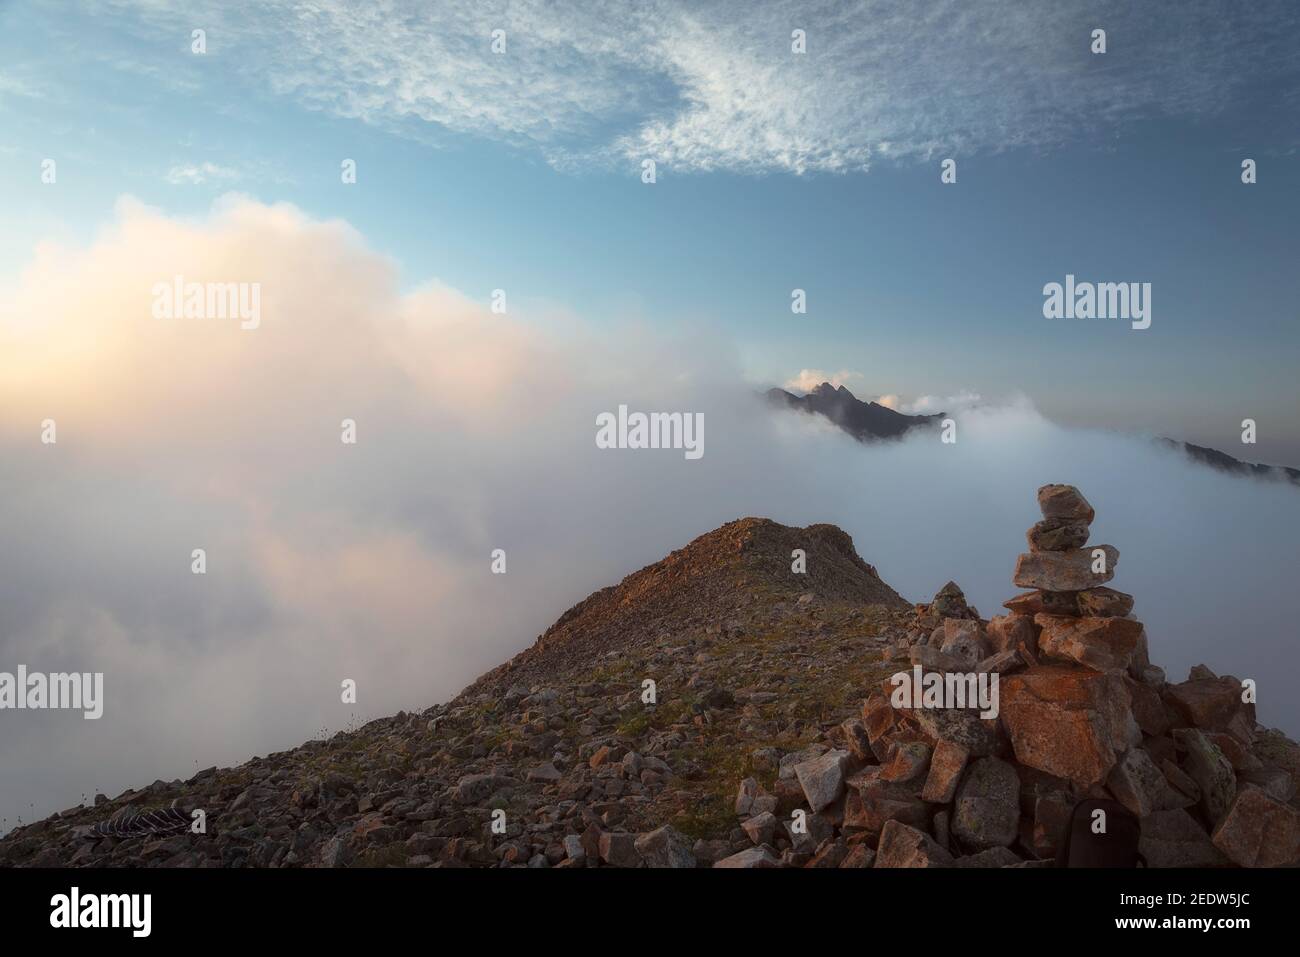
(1102, 644)
(946, 765)
(990, 857)
(574, 849)
(872, 802)
(831, 855)
(1044, 602)
(949, 602)
(1174, 839)
(857, 740)
(746, 795)
(1258, 831)
(822, 779)
(911, 760)
(1213, 704)
(336, 853)
(987, 810)
(708, 853)
(1009, 632)
(1065, 571)
(859, 856)
(1057, 535)
(1064, 502)
(1138, 784)
(1104, 603)
(761, 828)
(1206, 765)
(1004, 662)
(473, 788)
(1071, 723)
(1238, 755)
(1149, 710)
(964, 642)
(1181, 782)
(618, 849)
(932, 659)
(788, 761)
(1052, 811)
(544, 774)
(1275, 782)
(962, 726)
(903, 846)
(664, 847)
(753, 857)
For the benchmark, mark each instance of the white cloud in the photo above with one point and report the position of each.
(196, 174)
(809, 379)
(716, 87)
(475, 431)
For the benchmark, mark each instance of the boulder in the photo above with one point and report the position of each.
(822, 778)
(903, 846)
(1139, 785)
(1213, 704)
(946, 765)
(618, 849)
(949, 602)
(1102, 644)
(753, 857)
(1174, 839)
(1211, 770)
(761, 828)
(1048, 602)
(1065, 571)
(987, 810)
(1258, 831)
(664, 847)
(1104, 603)
(911, 760)
(1057, 535)
(1009, 632)
(1064, 502)
(1071, 723)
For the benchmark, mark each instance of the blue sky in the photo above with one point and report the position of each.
(521, 171)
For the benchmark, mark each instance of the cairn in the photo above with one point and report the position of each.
(1082, 714)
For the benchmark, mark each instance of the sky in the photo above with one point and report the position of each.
(522, 171)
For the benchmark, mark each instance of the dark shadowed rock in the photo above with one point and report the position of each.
(987, 810)
(903, 846)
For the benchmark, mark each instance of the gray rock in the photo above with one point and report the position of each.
(904, 846)
(822, 778)
(665, 847)
(1211, 770)
(753, 857)
(987, 810)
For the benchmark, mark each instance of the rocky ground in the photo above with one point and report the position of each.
(767, 737)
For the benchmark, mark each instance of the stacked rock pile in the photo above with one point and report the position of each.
(1081, 713)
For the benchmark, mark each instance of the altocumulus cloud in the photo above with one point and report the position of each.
(475, 431)
(716, 87)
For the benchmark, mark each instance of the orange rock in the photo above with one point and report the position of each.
(1102, 644)
(1069, 722)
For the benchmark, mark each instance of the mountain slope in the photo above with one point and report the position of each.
(692, 713)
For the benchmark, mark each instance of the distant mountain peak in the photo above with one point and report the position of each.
(865, 421)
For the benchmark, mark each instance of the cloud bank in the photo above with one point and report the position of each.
(475, 431)
(717, 86)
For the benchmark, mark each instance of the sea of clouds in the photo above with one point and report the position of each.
(475, 430)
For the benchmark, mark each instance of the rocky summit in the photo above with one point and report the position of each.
(734, 705)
